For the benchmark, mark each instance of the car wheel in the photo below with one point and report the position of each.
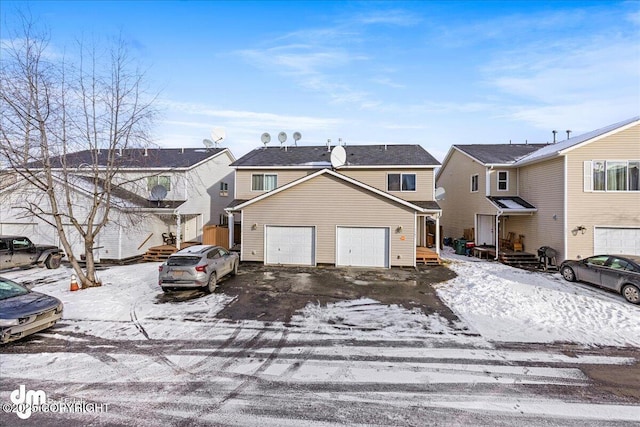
(568, 274)
(165, 290)
(53, 262)
(212, 284)
(235, 269)
(631, 293)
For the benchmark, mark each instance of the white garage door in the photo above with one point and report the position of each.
(609, 240)
(362, 247)
(290, 245)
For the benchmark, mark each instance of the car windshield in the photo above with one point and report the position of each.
(9, 289)
(183, 260)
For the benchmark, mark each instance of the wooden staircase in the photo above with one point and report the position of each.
(159, 253)
(519, 259)
(427, 256)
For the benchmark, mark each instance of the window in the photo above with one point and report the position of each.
(503, 180)
(401, 182)
(165, 181)
(224, 219)
(224, 189)
(263, 182)
(612, 175)
(474, 183)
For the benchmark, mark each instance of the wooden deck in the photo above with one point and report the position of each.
(507, 256)
(427, 256)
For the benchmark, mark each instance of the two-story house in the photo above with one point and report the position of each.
(580, 196)
(372, 209)
(155, 192)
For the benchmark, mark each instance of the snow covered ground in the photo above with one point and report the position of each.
(498, 302)
(349, 362)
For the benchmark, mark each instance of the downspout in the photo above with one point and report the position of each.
(231, 226)
(437, 242)
(497, 235)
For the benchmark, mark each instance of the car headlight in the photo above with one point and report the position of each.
(9, 322)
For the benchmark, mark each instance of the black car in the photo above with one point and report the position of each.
(24, 312)
(620, 273)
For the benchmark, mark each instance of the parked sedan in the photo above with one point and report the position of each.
(199, 266)
(24, 312)
(620, 273)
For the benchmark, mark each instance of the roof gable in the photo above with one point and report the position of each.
(320, 156)
(427, 207)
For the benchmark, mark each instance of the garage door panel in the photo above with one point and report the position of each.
(362, 246)
(290, 245)
(614, 240)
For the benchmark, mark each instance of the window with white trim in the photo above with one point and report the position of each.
(503, 180)
(224, 189)
(401, 182)
(612, 175)
(264, 182)
(164, 181)
(474, 183)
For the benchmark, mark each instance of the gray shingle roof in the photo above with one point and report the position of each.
(499, 154)
(134, 158)
(357, 155)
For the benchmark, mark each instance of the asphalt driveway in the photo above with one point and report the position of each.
(272, 293)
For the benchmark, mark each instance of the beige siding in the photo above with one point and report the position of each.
(513, 182)
(542, 185)
(327, 202)
(461, 205)
(377, 178)
(285, 176)
(591, 209)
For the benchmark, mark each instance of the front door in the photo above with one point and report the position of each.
(485, 234)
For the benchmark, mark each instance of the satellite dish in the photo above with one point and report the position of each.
(338, 156)
(282, 137)
(266, 138)
(296, 137)
(218, 134)
(439, 193)
(207, 143)
(158, 193)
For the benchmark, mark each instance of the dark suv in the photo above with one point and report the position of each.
(19, 251)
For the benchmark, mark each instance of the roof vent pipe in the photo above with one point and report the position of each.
(554, 135)
(568, 134)
(329, 144)
(182, 150)
(145, 152)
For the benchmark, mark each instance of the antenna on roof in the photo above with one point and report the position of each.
(296, 138)
(265, 138)
(158, 193)
(218, 134)
(208, 143)
(338, 156)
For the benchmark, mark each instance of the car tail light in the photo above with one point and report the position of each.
(202, 268)
(160, 268)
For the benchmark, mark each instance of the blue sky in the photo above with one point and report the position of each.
(434, 73)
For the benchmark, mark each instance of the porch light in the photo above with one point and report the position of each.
(399, 229)
(254, 226)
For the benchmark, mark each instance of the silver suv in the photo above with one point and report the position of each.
(199, 266)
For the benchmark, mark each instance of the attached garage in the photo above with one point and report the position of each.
(289, 245)
(362, 246)
(616, 240)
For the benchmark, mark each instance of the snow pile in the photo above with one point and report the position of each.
(503, 303)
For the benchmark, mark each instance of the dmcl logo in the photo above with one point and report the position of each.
(26, 400)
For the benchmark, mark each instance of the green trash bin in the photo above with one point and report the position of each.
(461, 247)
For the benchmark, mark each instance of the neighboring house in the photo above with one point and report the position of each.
(373, 209)
(580, 196)
(169, 190)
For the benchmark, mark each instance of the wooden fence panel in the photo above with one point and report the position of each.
(215, 235)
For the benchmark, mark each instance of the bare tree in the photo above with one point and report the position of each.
(52, 106)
